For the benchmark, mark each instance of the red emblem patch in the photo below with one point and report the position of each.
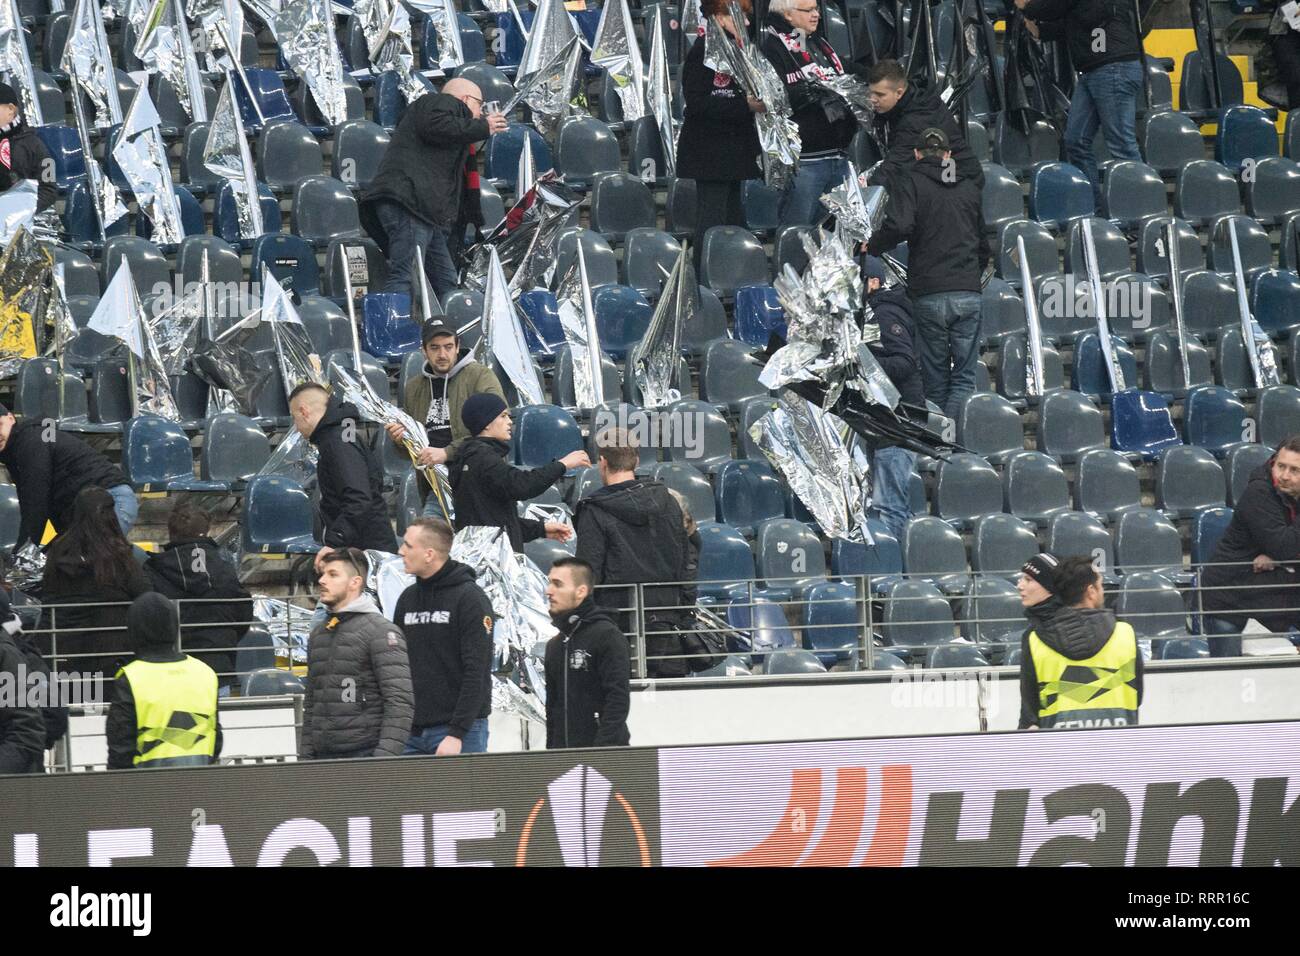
(721, 79)
(4, 153)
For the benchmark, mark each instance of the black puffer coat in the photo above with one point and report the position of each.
(352, 511)
(900, 130)
(424, 167)
(826, 125)
(24, 156)
(485, 488)
(719, 140)
(359, 701)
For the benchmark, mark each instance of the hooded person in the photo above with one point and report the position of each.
(631, 531)
(352, 512)
(23, 733)
(163, 709)
(1079, 667)
(53, 713)
(486, 489)
(588, 667)
(22, 154)
(436, 397)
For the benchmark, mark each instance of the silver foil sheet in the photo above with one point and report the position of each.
(656, 360)
(1113, 368)
(27, 569)
(503, 335)
(164, 47)
(305, 31)
(17, 209)
(550, 90)
(226, 154)
(288, 624)
(858, 209)
(60, 327)
(1259, 348)
(805, 445)
(142, 155)
(443, 15)
(854, 92)
(16, 60)
(387, 28)
(295, 457)
(120, 315)
(550, 37)
(659, 94)
(526, 174)
(615, 51)
(25, 269)
(578, 320)
(298, 360)
(176, 330)
(221, 23)
(87, 60)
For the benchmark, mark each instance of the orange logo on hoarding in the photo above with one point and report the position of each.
(579, 802)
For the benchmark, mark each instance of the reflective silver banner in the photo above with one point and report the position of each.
(659, 96)
(141, 154)
(305, 30)
(1035, 376)
(226, 154)
(1263, 358)
(656, 360)
(88, 62)
(615, 51)
(164, 47)
(16, 60)
(578, 320)
(120, 315)
(503, 335)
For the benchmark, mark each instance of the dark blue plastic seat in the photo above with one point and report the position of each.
(64, 146)
(622, 318)
(831, 621)
(1058, 194)
(759, 315)
(1208, 527)
(725, 558)
(544, 433)
(286, 257)
(1275, 301)
(1245, 133)
(1242, 460)
(882, 560)
(1088, 372)
(225, 218)
(268, 92)
(277, 517)
(1141, 423)
(789, 558)
(748, 493)
(1213, 419)
(156, 457)
(501, 161)
(387, 328)
(542, 330)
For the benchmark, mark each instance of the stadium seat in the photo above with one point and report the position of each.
(732, 258)
(225, 216)
(690, 482)
(1152, 258)
(149, 268)
(977, 137)
(1002, 312)
(390, 104)
(990, 427)
(708, 324)
(1002, 200)
(1003, 543)
(955, 655)
(1111, 246)
(585, 147)
(679, 207)
(759, 315)
(277, 517)
(1068, 425)
(1208, 298)
(1184, 648)
(1107, 484)
(1245, 134)
(602, 267)
(272, 682)
(1288, 251)
(831, 622)
(193, 173)
(1131, 193)
(1208, 526)
(729, 374)
(1188, 480)
(64, 146)
(1012, 372)
(1019, 152)
(36, 392)
(544, 433)
(268, 92)
(1205, 192)
(1252, 242)
(326, 324)
(1059, 194)
(1232, 363)
(761, 621)
(645, 151)
(367, 269)
(619, 204)
(1197, 82)
(917, 615)
(10, 518)
(933, 551)
(370, 368)
(1275, 302)
(1034, 487)
(80, 276)
(1152, 605)
(632, 390)
(354, 105)
(1214, 420)
(761, 205)
(324, 209)
(287, 153)
(1141, 423)
(256, 649)
(542, 329)
(1145, 540)
(1242, 459)
(622, 318)
(747, 493)
(1073, 532)
(881, 561)
(192, 224)
(562, 387)
(789, 249)
(1162, 371)
(1278, 412)
(789, 558)
(725, 559)
(1040, 251)
(359, 148)
(711, 434)
(991, 613)
(286, 257)
(648, 259)
(1273, 192)
(388, 330)
(966, 488)
(543, 552)
(224, 265)
(1088, 371)
(156, 457)
(234, 450)
(191, 395)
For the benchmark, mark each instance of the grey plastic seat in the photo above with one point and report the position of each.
(1152, 258)
(1012, 372)
(966, 488)
(272, 682)
(917, 615)
(793, 661)
(751, 410)
(234, 449)
(1040, 250)
(679, 206)
(1132, 192)
(1171, 140)
(789, 249)
(370, 367)
(1273, 193)
(1003, 543)
(602, 267)
(619, 204)
(324, 209)
(616, 414)
(729, 374)
(691, 484)
(343, 250)
(1187, 480)
(224, 264)
(711, 434)
(1019, 152)
(708, 325)
(732, 258)
(359, 148)
(1034, 487)
(148, 264)
(36, 391)
(788, 557)
(326, 324)
(585, 147)
(1205, 192)
(1107, 484)
(1069, 424)
(955, 655)
(645, 151)
(1252, 242)
(933, 551)
(1162, 370)
(991, 613)
(1208, 299)
(194, 175)
(1073, 532)
(1231, 362)
(1112, 250)
(1278, 413)
(1145, 540)
(562, 387)
(1242, 460)
(1002, 200)
(287, 153)
(1152, 605)
(648, 259)
(80, 276)
(977, 137)
(990, 426)
(1139, 307)
(544, 553)
(1002, 312)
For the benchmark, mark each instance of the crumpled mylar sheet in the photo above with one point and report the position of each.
(615, 51)
(164, 46)
(226, 154)
(778, 134)
(503, 336)
(853, 91)
(552, 92)
(28, 567)
(221, 23)
(578, 320)
(17, 209)
(857, 208)
(656, 359)
(60, 327)
(446, 28)
(25, 269)
(87, 61)
(517, 590)
(295, 457)
(659, 94)
(387, 29)
(142, 156)
(121, 315)
(288, 624)
(305, 30)
(804, 444)
(176, 330)
(17, 61)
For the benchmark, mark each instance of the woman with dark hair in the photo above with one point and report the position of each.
(91, 565)
(718, 144)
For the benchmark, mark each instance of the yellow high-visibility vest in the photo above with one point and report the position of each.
(1099, 691)
(175, 712)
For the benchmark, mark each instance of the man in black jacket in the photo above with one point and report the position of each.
(903, 113)
(22, 154)
(892, 466)
(1104, 48)
(447, 620)
(49, 468)
(936, 211)
(426, 189)
(352, 512)
(1253, 571)
(587, 665)
(804, 59)
(218, 611)
(22, 729)
(631, 531)
(485, 487)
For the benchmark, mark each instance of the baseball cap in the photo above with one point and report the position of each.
(934, 138)
(434, 327)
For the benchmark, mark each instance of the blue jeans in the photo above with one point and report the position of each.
(1106, 98)
(405, 234)
(948, 328)
(427, 740)
(125, 506)
(891, 478)
(801, 203)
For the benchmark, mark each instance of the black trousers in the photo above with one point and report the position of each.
(717, 203)
(1286, 51)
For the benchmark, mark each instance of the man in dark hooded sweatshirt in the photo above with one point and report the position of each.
(22, 153)
(1079, 667)
(164, 703)
(486, 488)
(631, 531)
(587, 665)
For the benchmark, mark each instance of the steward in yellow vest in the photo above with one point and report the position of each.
(1079, 667)
(164, 703)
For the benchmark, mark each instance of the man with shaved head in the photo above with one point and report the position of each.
(426, 191)
(448, 621)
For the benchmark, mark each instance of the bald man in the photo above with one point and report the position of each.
(425, 194)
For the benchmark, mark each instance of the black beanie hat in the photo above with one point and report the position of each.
(480, 410)
(1042, 568)
(9, 95)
